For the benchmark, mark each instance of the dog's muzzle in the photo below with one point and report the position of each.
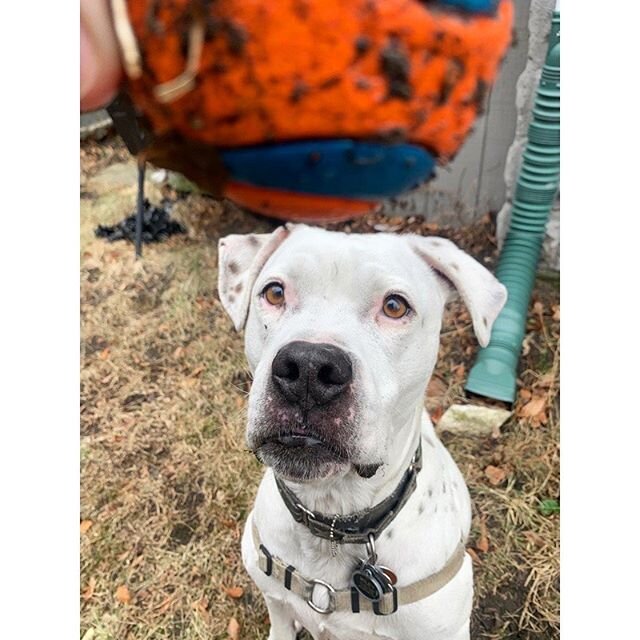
(306, 426)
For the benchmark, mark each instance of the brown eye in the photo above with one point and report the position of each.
(274, 293)
(395, 307)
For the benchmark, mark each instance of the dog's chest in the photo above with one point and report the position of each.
(416, 544)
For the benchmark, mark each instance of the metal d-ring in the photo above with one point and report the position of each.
(307, 514)
(332, 599)
(371, 549)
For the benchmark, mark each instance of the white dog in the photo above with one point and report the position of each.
(359, 524)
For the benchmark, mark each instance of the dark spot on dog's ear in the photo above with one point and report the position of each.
(252, 240)
(238, 287)
(389, 534)
(444, 487)
(232, 298)
(436, 243)
(455, 266)
(485, 321)
(233, 267)
(265, 327)
(430, 491)
(421, 508)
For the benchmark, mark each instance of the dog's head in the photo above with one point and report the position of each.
(342, 334)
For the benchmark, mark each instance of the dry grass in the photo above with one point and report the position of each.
(166, 482)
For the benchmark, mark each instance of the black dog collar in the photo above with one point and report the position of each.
(357, 527)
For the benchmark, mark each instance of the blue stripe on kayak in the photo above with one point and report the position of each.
(340, 167)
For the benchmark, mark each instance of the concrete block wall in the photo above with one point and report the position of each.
(539, 26)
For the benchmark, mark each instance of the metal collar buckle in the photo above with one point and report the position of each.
(330, 591)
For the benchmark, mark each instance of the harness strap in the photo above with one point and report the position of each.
(350, 599)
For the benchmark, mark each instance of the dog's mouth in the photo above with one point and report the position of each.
(295, 440)
(301, 455)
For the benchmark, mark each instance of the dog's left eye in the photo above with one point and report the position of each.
(395, 307)
(274, 294)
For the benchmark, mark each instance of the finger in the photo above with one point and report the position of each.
(100, 67)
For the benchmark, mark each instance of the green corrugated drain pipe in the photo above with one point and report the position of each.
(494, 373)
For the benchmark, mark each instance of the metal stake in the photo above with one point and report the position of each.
(140, 207)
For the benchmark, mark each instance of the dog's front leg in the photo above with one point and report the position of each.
(282, 624)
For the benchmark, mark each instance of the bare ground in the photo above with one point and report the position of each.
(166, 481)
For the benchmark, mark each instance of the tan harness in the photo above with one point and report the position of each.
(350, 599)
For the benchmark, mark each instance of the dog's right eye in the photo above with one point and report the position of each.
(274, 294)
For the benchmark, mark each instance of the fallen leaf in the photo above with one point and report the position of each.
(546, 380)
(533, 407)
(85, 525)
(483, 541)
(201, 606)
(495, 475)
(123, 595)
(436, 387)
(534, 538)
(197, 371)
(524, 395)
(235, 592)
(474, 556)
(178, 353)
(436, 414)
(526, 343)
(459, 371)
(229, 523)
(163, 607)
(104, 354)
(233, 629)
(137, 560)
(87, 594)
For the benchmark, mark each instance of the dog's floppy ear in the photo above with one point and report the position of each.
(483, 294)
(240, 260)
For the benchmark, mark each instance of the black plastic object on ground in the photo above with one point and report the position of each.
(157, 225)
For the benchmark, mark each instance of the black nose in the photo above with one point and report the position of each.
(311, 374)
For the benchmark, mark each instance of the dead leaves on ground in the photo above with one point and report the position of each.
(123, 595)
(483, 540)
(201, 607)
(87, 594)
(85, 525)
(534, 409)
(495, 475)
(234, 592)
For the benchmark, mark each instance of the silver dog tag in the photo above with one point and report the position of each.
(371, 581)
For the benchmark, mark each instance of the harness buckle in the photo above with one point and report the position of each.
(330, 591)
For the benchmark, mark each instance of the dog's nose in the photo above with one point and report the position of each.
(311, 374)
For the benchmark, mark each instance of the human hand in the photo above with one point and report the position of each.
(100, 66)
